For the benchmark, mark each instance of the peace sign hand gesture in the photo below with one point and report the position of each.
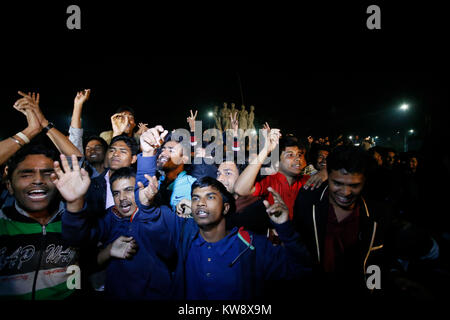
(191, 120)
(234, 123)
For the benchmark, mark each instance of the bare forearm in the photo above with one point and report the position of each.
(246, 181)
(76, 116)
(8, 147)
(63, 143)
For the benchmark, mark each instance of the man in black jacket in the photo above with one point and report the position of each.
(342, 229)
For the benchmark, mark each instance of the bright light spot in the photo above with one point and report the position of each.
(376, 137)
(210, 114)
(411, 131)
(404, 107)
(350, 137)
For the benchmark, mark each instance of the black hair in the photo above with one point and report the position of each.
(227, 197)
(350, 158)
(240, 166)
(27, 150)
(314, 152)
(98, 138)
(122, 173)
(126, 108)
(131, 143)
(290, 141)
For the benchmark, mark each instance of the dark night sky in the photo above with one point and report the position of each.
(285, 93)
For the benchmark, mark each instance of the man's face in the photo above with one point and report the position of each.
(322, 159)
(131, 124)
(345, 188)
(227, 173)
(390, 158)
(31, 185)
(119, 155)
(292, 161)
(171, 156)
(378, 158)
(208, 209)
(95, 152)
(123, 194)
(413, 163)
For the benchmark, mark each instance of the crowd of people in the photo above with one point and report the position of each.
(145, 218)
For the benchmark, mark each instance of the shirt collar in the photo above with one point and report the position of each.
(26, 214)
(220, 246)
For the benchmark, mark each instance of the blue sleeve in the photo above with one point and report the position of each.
(77, 230)
(165, 219)
(145, 165)
(288, 261)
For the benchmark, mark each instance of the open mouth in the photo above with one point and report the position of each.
(37, 194)
(201, 213)
(343, 200)
(125, 207)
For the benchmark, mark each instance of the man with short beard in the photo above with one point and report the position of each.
(174, 182)
(137, 256)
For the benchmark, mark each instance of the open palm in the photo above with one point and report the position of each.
(71, 183)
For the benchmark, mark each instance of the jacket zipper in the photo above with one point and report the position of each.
(44, 233)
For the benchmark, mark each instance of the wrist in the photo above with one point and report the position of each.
(31, 132)
(75, 205)
(149, 153)
(44, 123)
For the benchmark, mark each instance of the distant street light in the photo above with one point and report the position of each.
(210, 114)
(411, 131)
(404, 107)
(350, 137)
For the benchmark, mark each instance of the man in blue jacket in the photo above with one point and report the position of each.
(131, 274)
(214, 263)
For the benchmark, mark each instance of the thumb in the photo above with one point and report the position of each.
(266, 204)
(140, 185)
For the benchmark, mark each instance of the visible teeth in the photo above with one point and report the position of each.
(37, 191)
(202, 213)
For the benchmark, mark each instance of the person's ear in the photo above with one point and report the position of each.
(9, 187)
(226, 208)
(133, 159)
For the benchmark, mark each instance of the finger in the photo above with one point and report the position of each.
(54, 178)
(75, 165)
(275, 194)
(159, 128)
(140, 185)
(57, 169)
(65, 163)
(195, 115)
(22, 93)
(164, 134)
(191, 114)
(266, 204)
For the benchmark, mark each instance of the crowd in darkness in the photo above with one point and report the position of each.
(145, 218)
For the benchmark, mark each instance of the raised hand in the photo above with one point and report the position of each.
(82, 97)
(152, 139)
(191, 120)
(234, 123)
(142, 128)
(272, 137)
(33, 99)
(123, 248)
(184, 208)
(119, 123)
(71, 183)
(278, 212)
(147, 194)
